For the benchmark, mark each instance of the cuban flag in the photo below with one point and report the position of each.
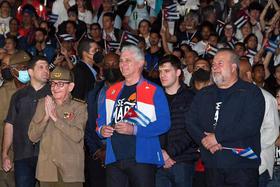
(53, 18)
(170, 13)
(220, 27)
(211, 50)
(247, 153)
(270, 46)
(129, 38)
(251, 53)
(112, 45)
(241, 21)
(172, 7)
(135, 116)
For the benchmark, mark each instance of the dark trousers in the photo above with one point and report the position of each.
(120, 173)
(95, 174)
(264, 179)
(25, 171)
(179, 175)
(232, 177)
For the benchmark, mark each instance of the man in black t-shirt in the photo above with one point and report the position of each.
(22, 108)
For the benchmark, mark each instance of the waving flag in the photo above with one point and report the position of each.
(241, 21)
(170, 13)
(111, 45)
(220, 26)
(172, 7)
(135, 116)
(129, 38)
(53, 18)
(251, 53)
(171, 16)
(211, 50)
(270, 46)
(247, 153)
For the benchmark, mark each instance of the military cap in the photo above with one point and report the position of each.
(20, 57)
(61, 73)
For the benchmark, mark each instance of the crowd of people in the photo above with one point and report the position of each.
(142, 93)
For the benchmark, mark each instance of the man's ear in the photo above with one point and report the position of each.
(71, 86)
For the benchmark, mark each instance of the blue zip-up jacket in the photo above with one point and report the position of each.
(240, 118)
(151, 101)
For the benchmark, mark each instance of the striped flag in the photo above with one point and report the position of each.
(211, 50)
(129, 38)
(111, 45)
(220, 27)
(241, 21)
(270, 46)
(53, 18)
(172, 7)
(135, 116)
(251, 53)
(170, 13)
(247, 153)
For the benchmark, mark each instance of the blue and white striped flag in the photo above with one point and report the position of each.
(247, 153)
(53, 18)
(270, 46)
(170, 13)
(251, 53)
(129, 38)
(241, 21)
(211, 50)
(172, 7)
(135, 116)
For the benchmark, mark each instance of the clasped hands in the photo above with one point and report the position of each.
(50, 108)
(121, 127)
(210, 143)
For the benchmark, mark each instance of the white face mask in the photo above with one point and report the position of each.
(140, 2)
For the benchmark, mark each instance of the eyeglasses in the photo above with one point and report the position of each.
(58, 84)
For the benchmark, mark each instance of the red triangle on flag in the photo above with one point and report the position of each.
(130, 114)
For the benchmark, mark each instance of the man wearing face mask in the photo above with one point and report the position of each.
(16, 64)
(95, 147)
(86, 70)
(40, 47)
(201, 74)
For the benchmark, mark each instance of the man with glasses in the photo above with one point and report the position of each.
(96, 34)
(59, 123)
(22, 108)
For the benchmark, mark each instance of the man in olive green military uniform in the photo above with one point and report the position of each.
(11, 83)
(58, 124)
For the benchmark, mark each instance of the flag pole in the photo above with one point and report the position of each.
(121, 41)
(228, 148)
(58, 40)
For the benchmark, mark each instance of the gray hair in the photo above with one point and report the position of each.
(234, 59)
(193, 16)
(137, 52)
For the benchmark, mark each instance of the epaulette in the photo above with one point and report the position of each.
(79, 100)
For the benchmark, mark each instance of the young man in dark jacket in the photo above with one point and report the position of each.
(224, 116)
(178, 148)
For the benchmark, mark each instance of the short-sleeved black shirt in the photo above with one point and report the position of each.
(22, 108)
